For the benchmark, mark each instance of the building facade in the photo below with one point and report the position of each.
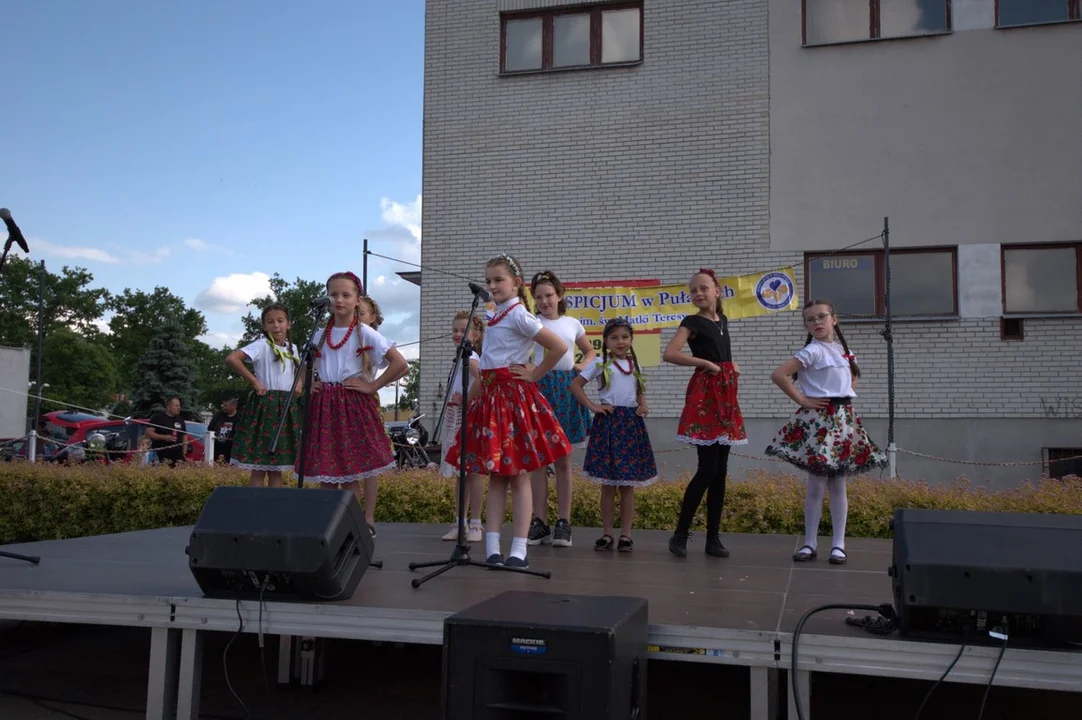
(643, 140)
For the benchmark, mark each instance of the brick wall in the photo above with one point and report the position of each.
(651, 172)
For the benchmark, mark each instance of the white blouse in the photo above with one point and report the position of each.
(510, 341)
(826, 372)
(268, 368)
(334, 366)
(622, 390)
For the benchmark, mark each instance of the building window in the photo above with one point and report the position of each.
(1042, 279)
(1062, 462)
(563, 39)
(838, 21)
(1018, 13)
(922, 282)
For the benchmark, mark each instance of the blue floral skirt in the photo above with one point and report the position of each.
(619, 451)
(572, 415)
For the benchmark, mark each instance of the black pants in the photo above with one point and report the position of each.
(709, 479)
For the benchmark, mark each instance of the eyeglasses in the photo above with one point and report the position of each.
(816, 319)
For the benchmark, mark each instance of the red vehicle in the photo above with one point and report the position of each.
(75, 427)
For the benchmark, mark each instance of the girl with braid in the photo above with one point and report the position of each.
(711, 419)
(824, 436)
(346, 441)
(511, 429)
(275, 382)
(619, 454)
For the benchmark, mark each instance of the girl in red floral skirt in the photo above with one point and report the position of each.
(824, 436)
(346, 440)
(511, 429)
(711, 419)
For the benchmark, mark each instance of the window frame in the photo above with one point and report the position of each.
(594, 10)
(875, 27)
(1077, 246)
(880, 276)
(1074, 14)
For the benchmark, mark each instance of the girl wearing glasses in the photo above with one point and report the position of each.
(824, 436)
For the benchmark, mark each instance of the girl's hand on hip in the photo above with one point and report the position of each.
(360, 385)
(524, 372)
(813, 403)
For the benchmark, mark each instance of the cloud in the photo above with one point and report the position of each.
(72, 253)
(220, 339)
(406, 215)
(232, 293)
(138, 257)
(203, 246)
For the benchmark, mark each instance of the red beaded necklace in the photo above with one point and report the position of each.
(327, 334)
(502, 315)
(630, 366)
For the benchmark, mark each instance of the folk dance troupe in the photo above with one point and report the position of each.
(529, 404)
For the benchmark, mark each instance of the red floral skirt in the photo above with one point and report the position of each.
(346, 439)
(711, 411)
(510, 428)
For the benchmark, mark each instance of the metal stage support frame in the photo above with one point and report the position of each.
(178, 625)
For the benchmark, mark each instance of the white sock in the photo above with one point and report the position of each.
(813, 509)
(492, 544)
(839, 508)
(518, 548)
(475, 522)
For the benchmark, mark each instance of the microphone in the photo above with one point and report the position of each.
(480, 292)
(321, 303)
(14, 233)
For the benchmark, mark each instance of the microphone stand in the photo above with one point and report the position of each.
(460, 555)
(7, 249)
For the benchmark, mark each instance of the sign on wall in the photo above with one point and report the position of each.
(651, 306)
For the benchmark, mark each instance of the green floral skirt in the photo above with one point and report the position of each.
(255, 431)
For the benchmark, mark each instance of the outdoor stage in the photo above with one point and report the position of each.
(737, 611)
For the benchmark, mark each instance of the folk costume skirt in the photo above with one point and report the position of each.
(828, 441)
(452, 426)
(619, 451)
(573, 417)
(511, 429)
(711, 413)
(346, 438)
(255, 430)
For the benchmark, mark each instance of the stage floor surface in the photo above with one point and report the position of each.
(759, 588)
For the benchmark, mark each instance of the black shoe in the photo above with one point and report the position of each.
(517, 562)
(372, 530)
(714, 547)
(561, 534)
(495, 559)
(539, 534)
(678, 544)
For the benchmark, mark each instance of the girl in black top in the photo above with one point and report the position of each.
(711, 420)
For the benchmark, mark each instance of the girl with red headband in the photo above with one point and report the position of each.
(511, 429)
(346, 441)
(824, 436)
(711, 419)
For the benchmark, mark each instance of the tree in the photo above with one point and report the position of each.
(165, 369)
(297, 298)
(214, 381)
(70, 302)
(140, 317)
(78, 371)
(411, 391)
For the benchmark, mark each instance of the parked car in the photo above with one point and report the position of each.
(122, 436)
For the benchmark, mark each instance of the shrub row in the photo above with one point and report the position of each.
(44, 502)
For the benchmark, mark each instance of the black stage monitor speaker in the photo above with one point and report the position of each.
(530, 654)
(281, 544)
(960, 574)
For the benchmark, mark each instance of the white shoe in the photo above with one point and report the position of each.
(452, 534)
(475, 534)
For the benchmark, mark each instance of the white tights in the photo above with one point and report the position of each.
(818, 485)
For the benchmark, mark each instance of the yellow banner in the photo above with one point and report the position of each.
(654, 307)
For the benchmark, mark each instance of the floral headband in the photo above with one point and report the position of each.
(618, 322)
(707, 271)
(353, 277)
(515, 269)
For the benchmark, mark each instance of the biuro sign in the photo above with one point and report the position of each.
(650, 306)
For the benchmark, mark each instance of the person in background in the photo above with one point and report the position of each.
(222, 425)
(168, 434)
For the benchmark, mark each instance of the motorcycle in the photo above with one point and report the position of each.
(408, 440)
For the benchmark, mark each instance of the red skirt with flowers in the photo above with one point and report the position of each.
(711, 413)
(346, 439)
(510, 428)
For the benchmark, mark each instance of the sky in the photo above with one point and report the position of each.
(204, 146)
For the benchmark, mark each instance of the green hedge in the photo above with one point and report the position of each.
(42, 502)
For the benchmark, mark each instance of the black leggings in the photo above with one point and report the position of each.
(709, 479)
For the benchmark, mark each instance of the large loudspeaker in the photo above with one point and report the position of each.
(528, 654)
(960, 574)
(283, 544)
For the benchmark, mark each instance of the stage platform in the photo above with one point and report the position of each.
(737, 611)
